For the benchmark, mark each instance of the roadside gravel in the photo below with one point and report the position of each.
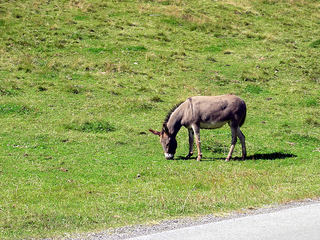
(140, 230)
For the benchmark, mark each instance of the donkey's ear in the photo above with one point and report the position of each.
(154, 132)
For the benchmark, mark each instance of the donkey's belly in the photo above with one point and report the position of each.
(211, 125)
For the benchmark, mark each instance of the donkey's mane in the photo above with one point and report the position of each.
(170, 112)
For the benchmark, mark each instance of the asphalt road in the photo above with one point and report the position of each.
(298, 223)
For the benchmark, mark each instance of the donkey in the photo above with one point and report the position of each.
(203, 112)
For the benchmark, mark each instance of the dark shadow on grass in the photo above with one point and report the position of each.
(268, 156)
(184, 158)
(257, 156)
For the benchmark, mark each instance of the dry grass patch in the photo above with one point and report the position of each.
(178, 12)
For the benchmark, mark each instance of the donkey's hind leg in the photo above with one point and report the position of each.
(233, 142)
(243, 143)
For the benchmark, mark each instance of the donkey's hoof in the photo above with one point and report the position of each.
(199, 158)
(227, 159)
(188, 156)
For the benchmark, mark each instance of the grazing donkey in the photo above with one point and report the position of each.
(207, 112)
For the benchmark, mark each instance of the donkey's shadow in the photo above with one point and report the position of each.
(257, 156)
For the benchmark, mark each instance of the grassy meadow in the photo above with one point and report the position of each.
(82, 81)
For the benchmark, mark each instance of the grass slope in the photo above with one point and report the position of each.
(82, 81)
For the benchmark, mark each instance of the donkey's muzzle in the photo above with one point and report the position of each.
(168, 156)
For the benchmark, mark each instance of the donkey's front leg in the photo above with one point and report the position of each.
(191, 140)
(196, 130)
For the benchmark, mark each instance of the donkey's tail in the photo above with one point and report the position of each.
(244, 110)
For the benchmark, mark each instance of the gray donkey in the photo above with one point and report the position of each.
(207, 112)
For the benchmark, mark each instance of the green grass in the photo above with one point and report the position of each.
(96, 127)
(81, 82)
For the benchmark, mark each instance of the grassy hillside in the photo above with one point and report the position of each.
(81, 82)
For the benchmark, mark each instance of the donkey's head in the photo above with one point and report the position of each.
(168, 142)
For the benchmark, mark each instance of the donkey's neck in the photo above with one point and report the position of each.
(174, 121)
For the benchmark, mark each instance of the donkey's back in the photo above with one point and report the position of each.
(214, 111)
